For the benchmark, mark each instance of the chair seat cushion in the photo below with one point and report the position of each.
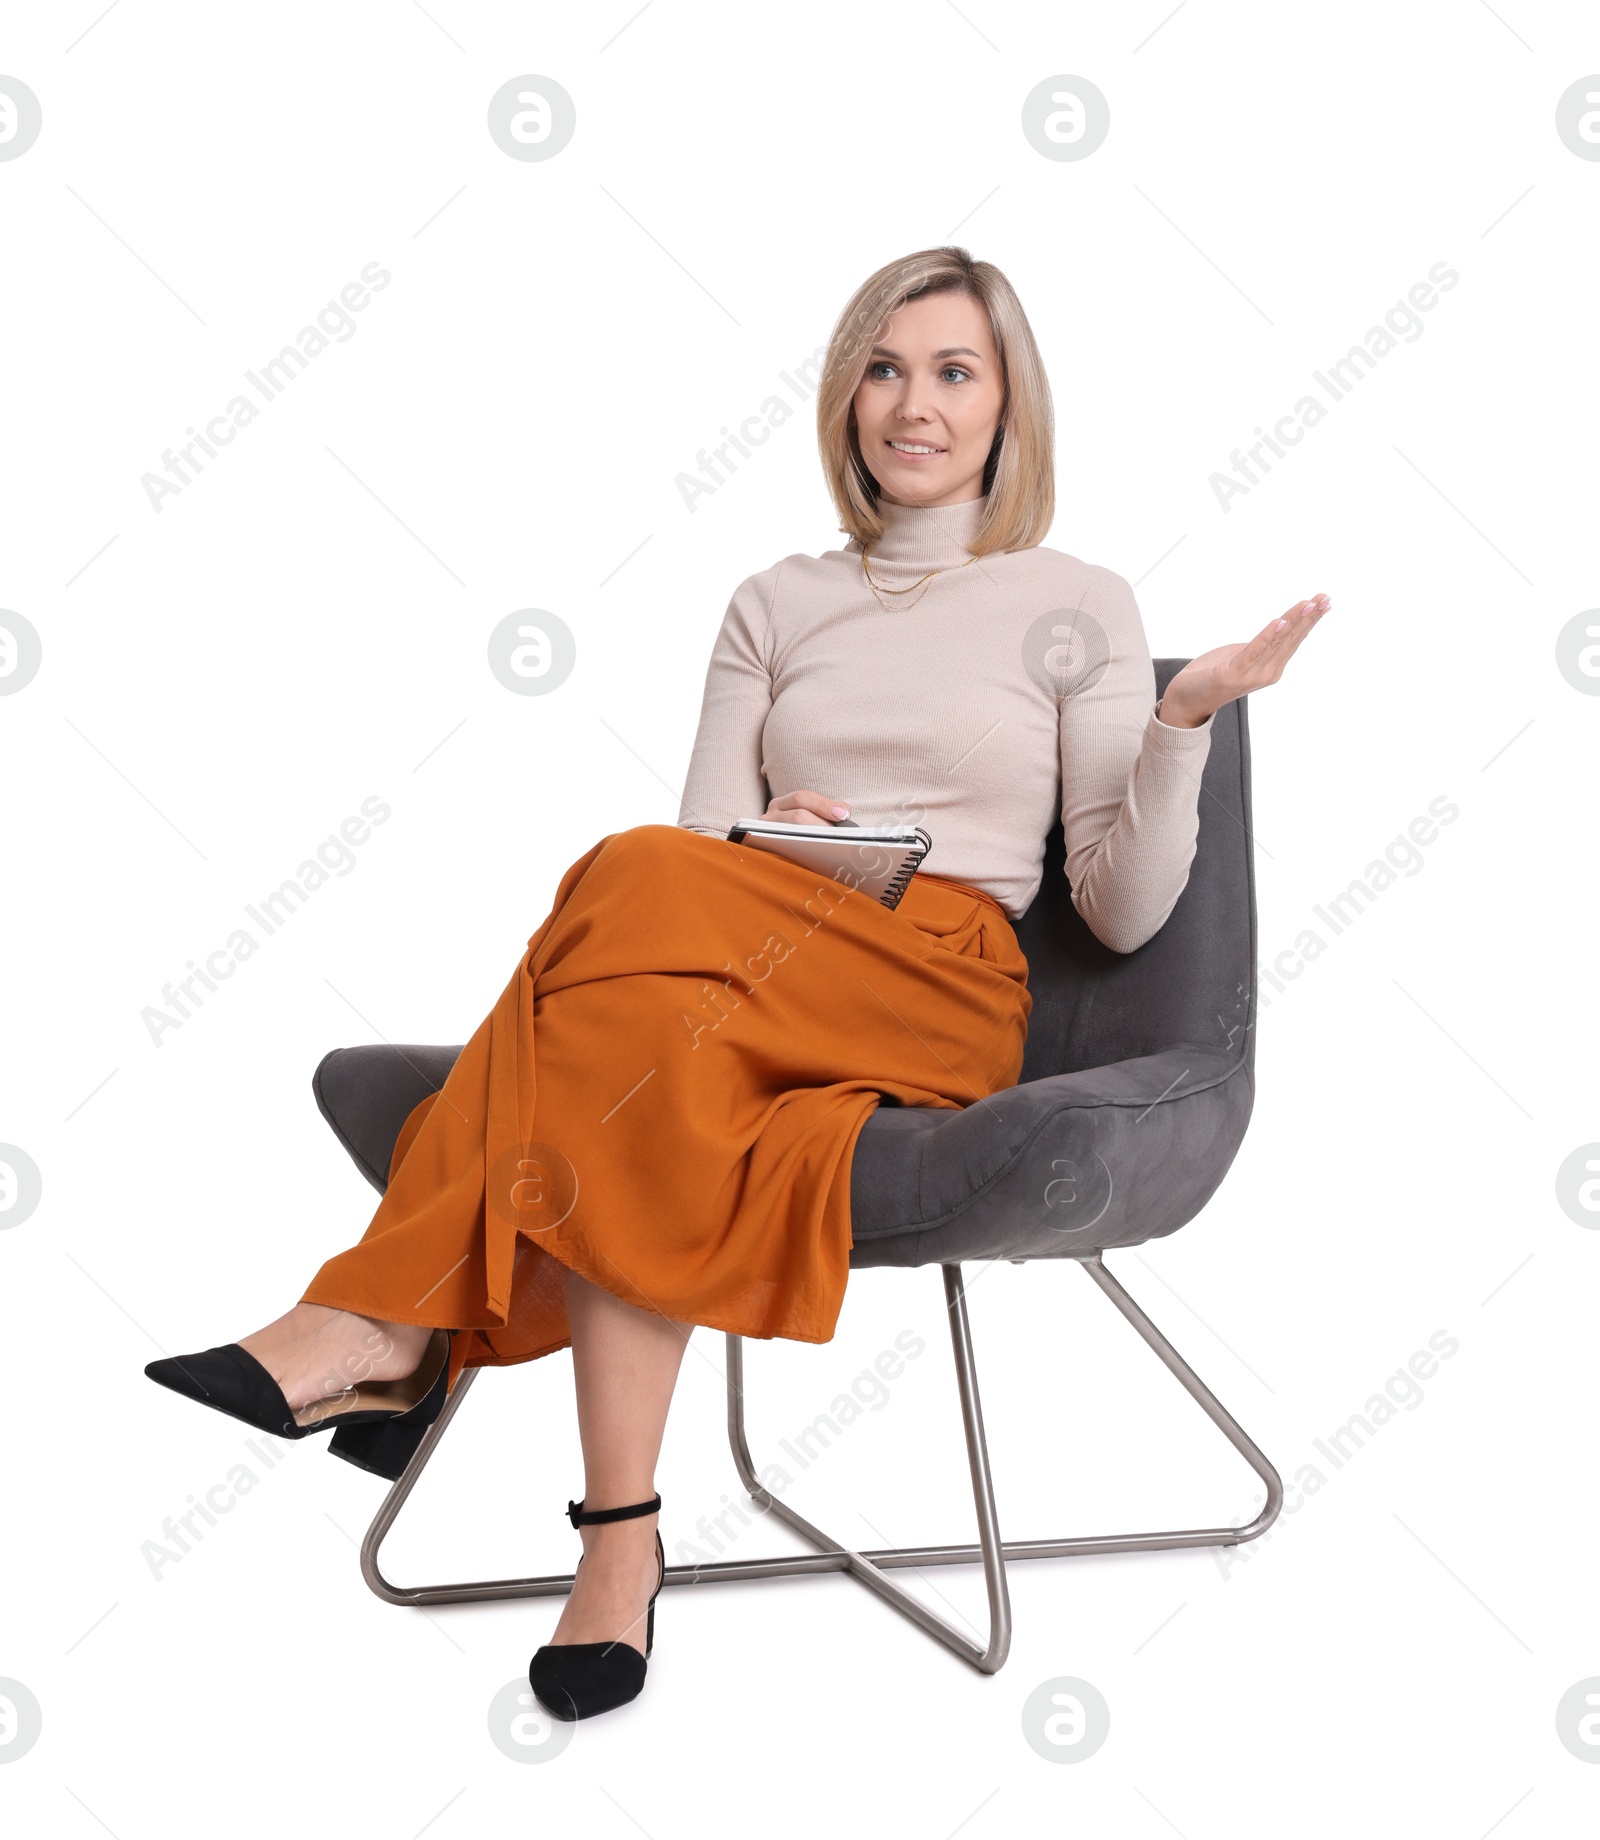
(366, 1095)
(1053, 1168)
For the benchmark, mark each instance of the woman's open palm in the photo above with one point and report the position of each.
(1227, 671)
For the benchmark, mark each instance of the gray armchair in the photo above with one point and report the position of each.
(1137, 1085)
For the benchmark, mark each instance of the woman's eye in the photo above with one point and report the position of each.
(876, 369)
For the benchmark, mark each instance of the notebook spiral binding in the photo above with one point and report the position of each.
(901, 881)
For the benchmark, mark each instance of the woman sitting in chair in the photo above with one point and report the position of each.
(653, 1127)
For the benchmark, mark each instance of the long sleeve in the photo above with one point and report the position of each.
(1130, 782)
(724, 782)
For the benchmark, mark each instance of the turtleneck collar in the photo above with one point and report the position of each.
(917, 538)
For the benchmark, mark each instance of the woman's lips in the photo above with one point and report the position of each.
(901, 454)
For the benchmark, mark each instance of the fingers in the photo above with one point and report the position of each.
(1278, 638)
(802, 807)
(1293, 627)
(1303, 614)
(1262, 660)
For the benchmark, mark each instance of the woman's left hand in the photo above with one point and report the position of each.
(1217, 677)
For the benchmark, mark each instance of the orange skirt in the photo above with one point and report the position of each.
(666, 1096)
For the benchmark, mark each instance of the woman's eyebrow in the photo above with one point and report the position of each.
(952, 351)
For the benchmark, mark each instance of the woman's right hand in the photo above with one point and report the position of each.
(807, 808)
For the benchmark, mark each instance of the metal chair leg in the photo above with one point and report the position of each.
(870, 1564)
(987, 1656)
(1213, 1408)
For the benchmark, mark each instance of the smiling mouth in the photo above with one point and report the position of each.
(917, 449)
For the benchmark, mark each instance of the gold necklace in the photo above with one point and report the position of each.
(918, 583)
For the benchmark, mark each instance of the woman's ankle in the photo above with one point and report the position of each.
(392, 1342)
(315, 1352)
(621, 1547)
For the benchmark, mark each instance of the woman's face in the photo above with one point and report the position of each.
(932, 381)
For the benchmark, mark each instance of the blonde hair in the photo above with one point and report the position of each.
(1019, 476)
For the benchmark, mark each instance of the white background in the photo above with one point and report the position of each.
(305, 626)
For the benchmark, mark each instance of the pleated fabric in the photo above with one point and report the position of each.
(667, 1093)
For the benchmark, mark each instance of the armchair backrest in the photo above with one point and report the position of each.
(1195, 981)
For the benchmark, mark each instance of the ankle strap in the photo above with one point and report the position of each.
(583, 1517)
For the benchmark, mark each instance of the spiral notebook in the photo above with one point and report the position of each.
(880, 860)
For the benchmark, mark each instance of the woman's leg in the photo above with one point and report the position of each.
(314, 1352)
(624, 1363)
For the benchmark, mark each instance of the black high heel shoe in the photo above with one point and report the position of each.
(376, 1422)
(575, 1680)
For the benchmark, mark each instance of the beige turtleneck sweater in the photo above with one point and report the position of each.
(1017, 686)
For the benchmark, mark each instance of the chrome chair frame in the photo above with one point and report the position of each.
(871, 1567)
